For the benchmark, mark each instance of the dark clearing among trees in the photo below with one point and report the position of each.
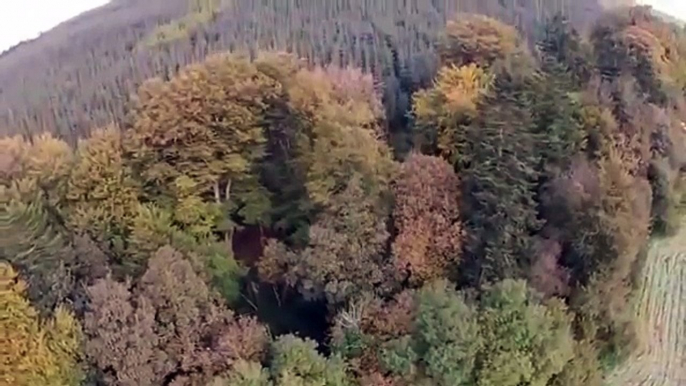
(400, 201)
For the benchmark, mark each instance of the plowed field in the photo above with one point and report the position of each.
(662, 317)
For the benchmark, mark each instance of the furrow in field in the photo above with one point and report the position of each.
(661, 315)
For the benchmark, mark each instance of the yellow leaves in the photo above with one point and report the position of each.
(21, 190)
(64, 338)
(199, 218)
(627, 201)
(11, 153)
(426, 105)
(678, 74)
(278, 65)
(426, 218)
(150, 230)
(453, 100)
(342, 95)
(32, 353)
(341, 152)
(9, 281)
(463, 86)
(656, 40)
(477, 39)
(184, 186)
(340, 108)
(645, 43)
(101, 192)
(456, 91)
(46, 161)
(356, 90)
(199, 13)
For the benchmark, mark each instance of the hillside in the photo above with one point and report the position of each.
(251, 224)
(81, 74)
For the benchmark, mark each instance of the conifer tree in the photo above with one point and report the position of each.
(498, 166)
(34, 241)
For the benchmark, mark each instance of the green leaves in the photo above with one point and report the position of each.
(524, 342)
(203, 125)
(447, 334)
(245, 374)
(345, 252)
(498, 167)
(345, 171)
(507, 337)
(297, 363)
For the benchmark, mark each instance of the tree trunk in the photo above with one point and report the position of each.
(217, 198)
(228, 235)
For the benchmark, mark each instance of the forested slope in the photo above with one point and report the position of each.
(503, 250)
(82, 74)
(249, 224)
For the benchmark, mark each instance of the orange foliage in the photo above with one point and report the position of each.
(477, 39)
(426, 216)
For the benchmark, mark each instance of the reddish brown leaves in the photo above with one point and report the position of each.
(547, 276)
(390, 320)
(168, 327)
(426, 216)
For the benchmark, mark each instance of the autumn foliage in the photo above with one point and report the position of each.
(426, 217)
(494, 239)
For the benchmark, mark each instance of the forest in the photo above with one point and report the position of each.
(83, 74)
(256, 219)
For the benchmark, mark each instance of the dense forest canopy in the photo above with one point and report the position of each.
(252, 220)
(83, 74)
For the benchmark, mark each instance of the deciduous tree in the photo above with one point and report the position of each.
(477, 39)
(426, 217)
(442, 111)
(168, 328)
(340, 139)
(205, 124)
(296, 362)
(346, 170)
(524, 342)
(33, 351)
(102, 193)
(345, 253)
(446, 335)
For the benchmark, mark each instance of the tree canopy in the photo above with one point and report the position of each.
(269, 219)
